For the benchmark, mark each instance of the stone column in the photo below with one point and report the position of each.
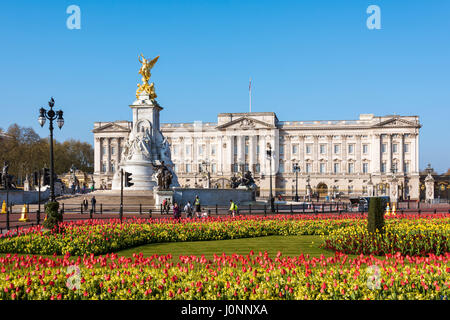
(344, 147)
(230, 154)
(416, 165)
(301, 153)
(330, 154)
(315, 167)
(389, 153)
(376, 153)
(252, 152)
(219, 155)
(97, 155)
(401, 167)
(358, 164)
(108, 152)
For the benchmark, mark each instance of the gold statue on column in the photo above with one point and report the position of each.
(147, 65)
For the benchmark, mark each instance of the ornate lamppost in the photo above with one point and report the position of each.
(269, 155)
(51, 115)
(296, 170)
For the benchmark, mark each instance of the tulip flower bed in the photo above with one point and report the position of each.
(101, 237)
(254, 276)
(418, 236)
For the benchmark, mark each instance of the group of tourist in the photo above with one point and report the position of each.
(194, 211)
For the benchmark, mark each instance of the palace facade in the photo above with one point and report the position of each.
(368, 156)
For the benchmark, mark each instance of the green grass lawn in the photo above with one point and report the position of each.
(288, 245)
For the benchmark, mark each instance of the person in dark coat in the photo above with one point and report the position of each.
(176, 211)
(85, 204)
(93, 202)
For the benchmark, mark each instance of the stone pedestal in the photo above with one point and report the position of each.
(429, 189)
(160, 195)
(393, 191)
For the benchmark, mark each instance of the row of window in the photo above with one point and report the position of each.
(350, 148)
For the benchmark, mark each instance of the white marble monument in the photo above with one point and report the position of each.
(145, 147)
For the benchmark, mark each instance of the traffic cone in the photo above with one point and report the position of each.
(24, 216)
(393, 209)
(3, 207)
(388, 210)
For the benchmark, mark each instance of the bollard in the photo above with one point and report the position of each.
(209, 212)
(62, 207)
(81, 209)
(323, 208)
(161, 209)
(90, 214)
(419, 211)
(291, 208)
(265, 210)
(277, 208)
(150, 213)
(101, 208)
(435, 210)
(140, 208)
(249, 209)
(38, 216)
(217, 211)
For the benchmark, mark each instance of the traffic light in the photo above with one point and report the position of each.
(46, 177)
(35, 178)
(128, 179)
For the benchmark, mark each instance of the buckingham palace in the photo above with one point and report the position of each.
(337, 157)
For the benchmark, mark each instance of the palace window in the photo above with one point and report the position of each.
(383, 167)
(188, 167)
(322, 149)
(308, 168)
(235, 167)
(213, 149)
(383, 147)
(281, 168)
(365, 167)
(322, 168)
(350, 148)
(213, 168)
(103, 150)
(258, 168)
(308, 149)
(103, 167)
(336, 148)
(351, 167)
(281, 149)
(394, 147)
(406, 147)
(406, 167)
(365, 148)
(336, 167)
(113, 150)
(188, 150)
(294, 149)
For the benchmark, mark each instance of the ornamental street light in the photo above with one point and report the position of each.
(51, 115)
(269, 154)
(296, 170)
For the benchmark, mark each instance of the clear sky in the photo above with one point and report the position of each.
(309, 60)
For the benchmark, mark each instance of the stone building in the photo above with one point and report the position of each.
(369, 156)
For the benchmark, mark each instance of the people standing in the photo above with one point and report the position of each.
(85, 204)
(188, 209)
(197, 205)
(176, 211)
(233, 208)
(93, 202)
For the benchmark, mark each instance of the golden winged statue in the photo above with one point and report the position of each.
(146, 66)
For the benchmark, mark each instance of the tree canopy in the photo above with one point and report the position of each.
(27, 152)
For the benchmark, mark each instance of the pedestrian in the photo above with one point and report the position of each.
(85, 204)
(176, 211)
(233, 208)
(93, 202)
(197, 205)
(167, 206)
(188, 209)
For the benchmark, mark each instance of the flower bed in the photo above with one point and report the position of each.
(100, 237)
(409, 237)
(346, 233)
(225, 277)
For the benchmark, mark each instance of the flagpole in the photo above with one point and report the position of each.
(250, 94)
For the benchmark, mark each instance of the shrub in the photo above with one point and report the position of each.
(375, 219)
(53, 215)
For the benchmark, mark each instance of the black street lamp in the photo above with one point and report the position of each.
(51, 115)
(296, 170)
(269, 154)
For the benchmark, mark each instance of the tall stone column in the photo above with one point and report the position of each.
(108, 152)
(376, 153)
(344, 153)
(401, 167)
(358, 165)
(97, 154)
(389, 153)
(315, 168)
(252, 152)
(416, 165)
(330, 154)
(301, 150)
(219, 154)
(230, 154)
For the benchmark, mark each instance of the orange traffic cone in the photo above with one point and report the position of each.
(24, 216)
(393, 209)
(388, 210)
(3, 207)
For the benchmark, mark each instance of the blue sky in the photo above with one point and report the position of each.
(309, 60)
